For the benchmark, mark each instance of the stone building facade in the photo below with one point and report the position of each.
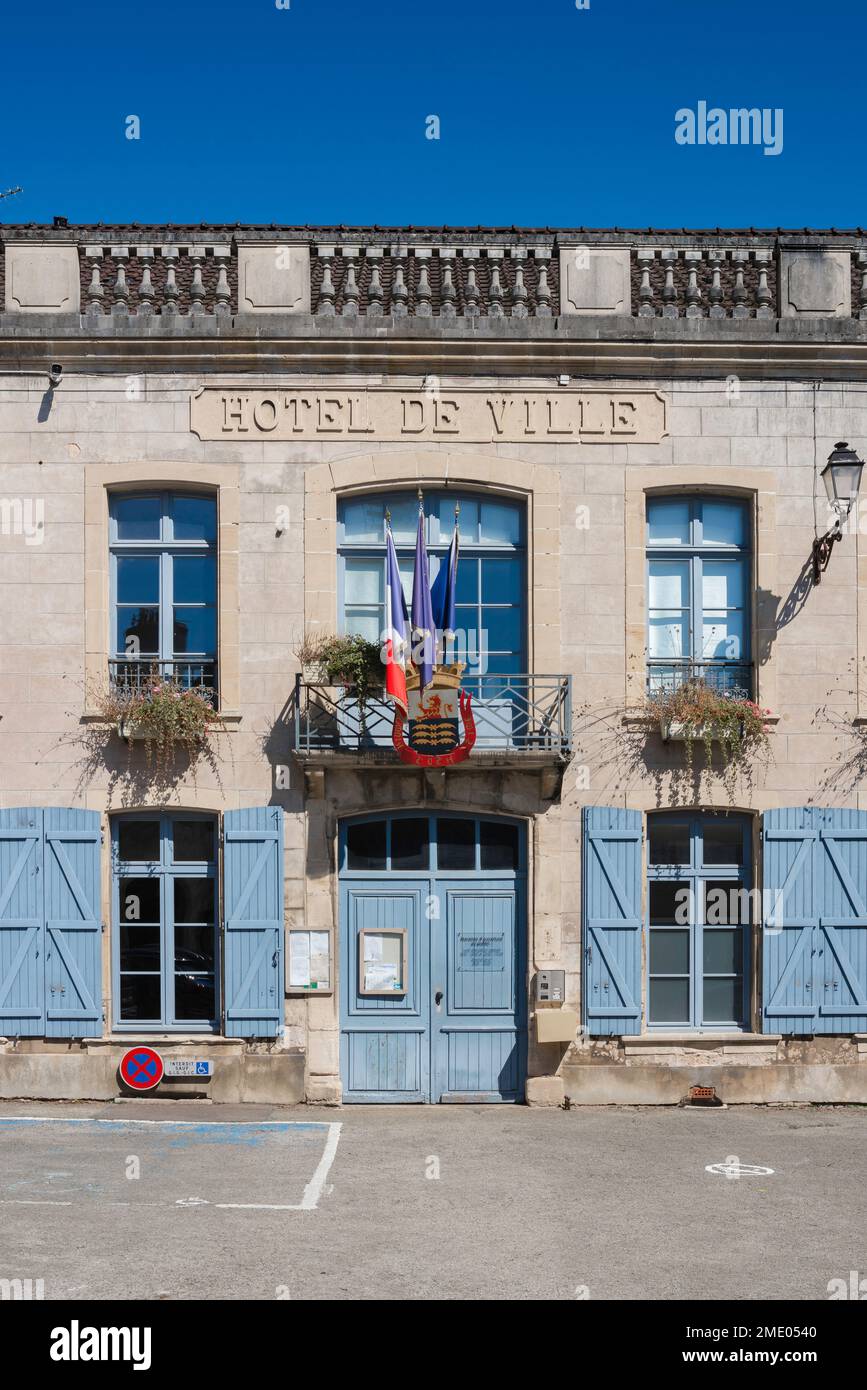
(201, 429)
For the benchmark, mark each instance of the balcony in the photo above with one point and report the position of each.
(521, 722)
(733, 678)
(134, 676)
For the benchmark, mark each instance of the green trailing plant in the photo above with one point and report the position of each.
(702, 714)
(346, 660)
(166, 717)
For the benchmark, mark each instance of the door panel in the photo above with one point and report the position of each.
(383, 1042)
(458, 1033)
(475, 1026)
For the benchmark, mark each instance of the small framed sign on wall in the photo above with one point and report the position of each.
(308, 961)
(382, 961)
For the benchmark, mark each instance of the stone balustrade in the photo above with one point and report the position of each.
(166, 279)
(506, 281)
(704, 282)
(191, 274)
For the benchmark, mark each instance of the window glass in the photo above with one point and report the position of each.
(501, 579)
(723, 522)
(138, 579)
(498, 845)
(668, 521)
(194, 899)
(195, 996)
(363, 583)
(490, 595)
(456, 843)
(669, 952)
(699, 919)
(195, 518)
(723, 841)
(409, 843)
(140, 948)
(722, 1000)
(669, 1000)
(139, 900)
(138, 631)
(722, 952)
(138, 840)
(365, 845)
(669, 902)
(137, 518)
(727, 902)
(502, 629)
(467, 587)
(669, 842)
(195, 630)
(140, 998)
(193, 841)
(195, 578)
(500, 522)
(194, 947)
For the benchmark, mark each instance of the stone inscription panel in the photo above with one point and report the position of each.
(383, 415)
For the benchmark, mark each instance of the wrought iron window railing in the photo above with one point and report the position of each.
(523, 714)
(134, 676)
(726, 677)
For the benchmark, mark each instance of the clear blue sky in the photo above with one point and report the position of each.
(549, 115)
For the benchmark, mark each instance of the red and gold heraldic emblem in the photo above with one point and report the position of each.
(434, 737)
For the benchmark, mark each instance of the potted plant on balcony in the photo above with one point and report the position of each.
(349, 660)
(697, 712)
(165, 715)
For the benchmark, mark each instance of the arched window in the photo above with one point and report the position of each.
(698, 592)
(163, 587)
(491, 605)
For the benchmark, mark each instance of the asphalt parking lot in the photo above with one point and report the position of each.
(155, 1200)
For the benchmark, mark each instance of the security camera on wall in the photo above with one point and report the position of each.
(55, 374)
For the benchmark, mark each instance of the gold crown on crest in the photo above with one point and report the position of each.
(444, 677)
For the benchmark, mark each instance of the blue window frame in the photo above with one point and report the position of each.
(698, 592)
(166, 948)
(699, 911)
(163, 587)
(491, 604)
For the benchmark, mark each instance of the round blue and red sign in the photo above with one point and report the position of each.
(141, 1068)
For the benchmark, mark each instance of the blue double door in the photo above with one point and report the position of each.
(433, 973)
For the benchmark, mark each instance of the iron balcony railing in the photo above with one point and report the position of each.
(134, 676)
(733, 678)
(520, 714)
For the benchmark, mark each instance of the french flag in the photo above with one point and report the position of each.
(395, 627)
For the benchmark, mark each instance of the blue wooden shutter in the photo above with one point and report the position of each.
(253, 906)
(840, 985)
(73, 927)
(22, 933)
(790, 904)
(611, 875)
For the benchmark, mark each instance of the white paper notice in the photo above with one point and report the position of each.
(381, 978)
(319, 960)
(372, 947)
(299, 959)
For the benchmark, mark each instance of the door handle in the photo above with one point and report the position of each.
(438, 997)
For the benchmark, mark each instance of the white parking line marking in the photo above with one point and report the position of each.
(313, 1190)
(310, 1198)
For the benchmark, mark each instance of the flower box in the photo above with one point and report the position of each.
(676, 731)
(132, 732)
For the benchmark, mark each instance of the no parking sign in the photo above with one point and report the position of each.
(141, 1068)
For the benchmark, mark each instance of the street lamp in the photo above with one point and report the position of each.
(842, 478)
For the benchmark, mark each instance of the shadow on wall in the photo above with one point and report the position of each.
(620, 748)
(774, 613)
